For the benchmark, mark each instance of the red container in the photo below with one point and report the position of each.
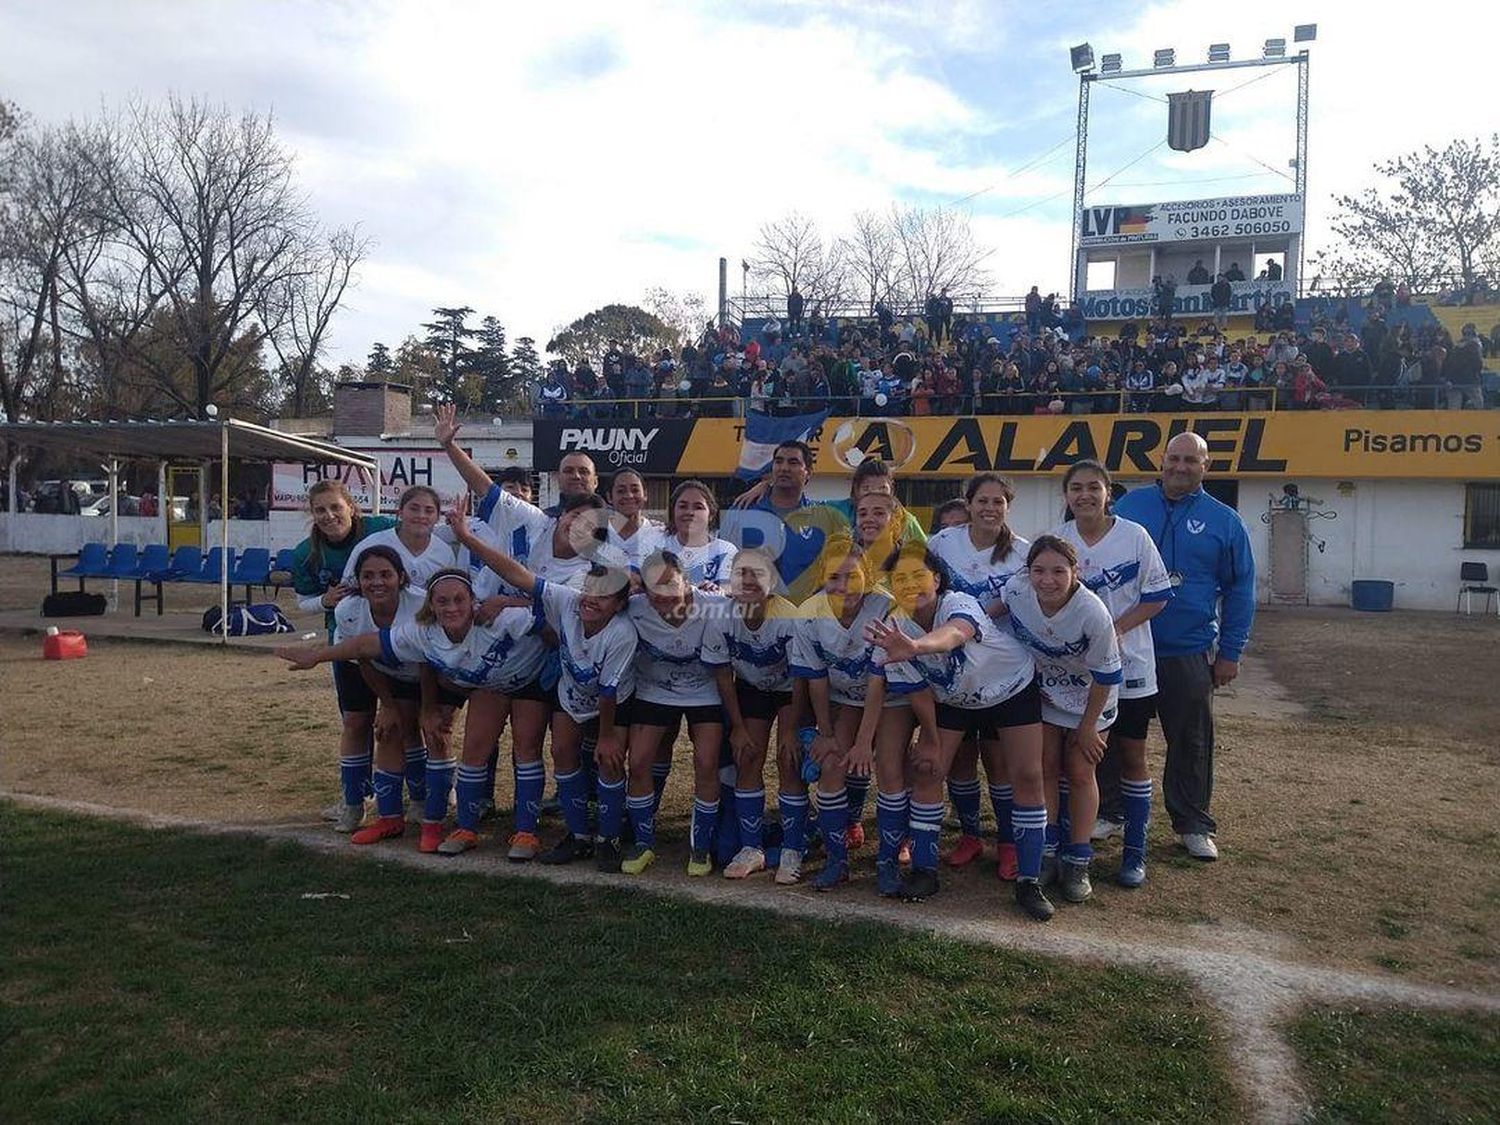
(66, 645)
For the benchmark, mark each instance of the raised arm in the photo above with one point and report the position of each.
(445, 429)
(366, 646)
(503, 565)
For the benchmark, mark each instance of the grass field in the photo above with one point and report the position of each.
(154, 975)
(1391, 1065)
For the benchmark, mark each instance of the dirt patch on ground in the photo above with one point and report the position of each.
(1349, 759)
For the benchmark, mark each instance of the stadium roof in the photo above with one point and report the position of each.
(179, 441)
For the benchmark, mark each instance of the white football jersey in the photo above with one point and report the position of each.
(969, 568)
(759, 656)
(352, 618)
(823, 647)
(627, 553)
(711, 562)
(503, 656)
(981, 673)
(601, 664)
(419, 568)
(669, 666)
(1072, 648)
(1124, 569)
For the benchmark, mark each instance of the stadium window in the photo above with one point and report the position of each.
(1482, 515)
(1100, 275)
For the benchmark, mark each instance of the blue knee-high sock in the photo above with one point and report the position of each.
(892, 811)
(439, 785)
(416, 773)
(727, 830)
(660, 771)
(705, 821)
(1077, 853)
(354, 777)
(388, 793)
(833, 822)
(1051, 835)
(1064, 810)
(611, 807)
(1135, 797)
(926, 822)
(965, 798)
(573, 792)
(470, 787)
(1029, 823)
(750, 812)
(490, 764)
(793, 808)
(642, 810)
(858, 789)
(531, 781)
(1002, 797)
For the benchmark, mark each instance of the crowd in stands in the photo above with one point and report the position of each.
(939, 364)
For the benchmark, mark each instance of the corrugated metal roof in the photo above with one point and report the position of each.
(173, 441)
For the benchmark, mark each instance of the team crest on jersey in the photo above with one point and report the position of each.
(1057, 652)
(1196, 527)
(1113, 577)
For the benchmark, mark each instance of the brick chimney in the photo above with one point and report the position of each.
(362, 409)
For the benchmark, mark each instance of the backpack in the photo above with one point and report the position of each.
(247, 620)
(74, 603)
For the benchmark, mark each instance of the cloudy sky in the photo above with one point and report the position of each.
(538, 160)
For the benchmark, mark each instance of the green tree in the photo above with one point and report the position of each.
(379, 362)
(588, 337)
(420, 368)
(492, 364)
(525, 364)
(448, 336)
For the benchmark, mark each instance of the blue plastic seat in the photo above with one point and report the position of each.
(154, 558)
(123, 558)
(186, 560)
(253, 568)
(211, 574)
(93, 562)
(286, 559)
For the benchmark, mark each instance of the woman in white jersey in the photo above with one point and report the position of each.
(596, 647)
(385, 600)
(417, 513)
(985, 684)
(464, 662)
(748, 649)
(672, 685)
(980, 557)
(706, 559)
(1072, 636)
(1118, 561)
(859, 721)
(629, 528)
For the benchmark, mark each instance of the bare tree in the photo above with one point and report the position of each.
(204, 202)
(789, 254)
(46, 211)
(870, 251)
(935, 250)
(297, 309)
(1437, 215)
(683, 313)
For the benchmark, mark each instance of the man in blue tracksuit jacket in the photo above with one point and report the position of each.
(1207, 554)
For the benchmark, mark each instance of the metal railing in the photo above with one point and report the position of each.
(1253, 399)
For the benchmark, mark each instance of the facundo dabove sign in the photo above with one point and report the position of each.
(1239, 217)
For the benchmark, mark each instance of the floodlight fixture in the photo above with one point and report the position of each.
(1275, 48)
(1167, 56)
(1082, 57)
(1305, 32)
(1110, 64)
(1218, 52)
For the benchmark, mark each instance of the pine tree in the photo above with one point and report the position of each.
(448, 339)
(490, 363)
(379, 363)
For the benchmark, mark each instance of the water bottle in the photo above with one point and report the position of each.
(810, 770)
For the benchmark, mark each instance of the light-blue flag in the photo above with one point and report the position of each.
(764, 433)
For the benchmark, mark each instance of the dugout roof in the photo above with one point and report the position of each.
(179, 441)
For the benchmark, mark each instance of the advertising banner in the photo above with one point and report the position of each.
(399, 470)
(1216, 220)
(1338, 444)
(1187, 300)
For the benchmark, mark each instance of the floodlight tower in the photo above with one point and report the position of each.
(1164, 61)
